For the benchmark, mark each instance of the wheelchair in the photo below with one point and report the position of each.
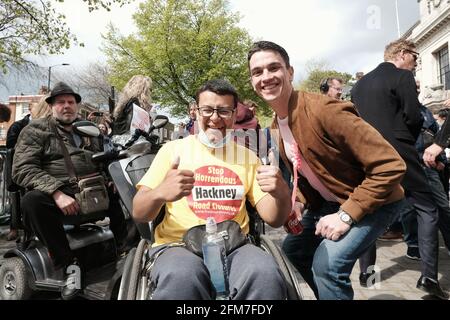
(135, 283)
(28, 267)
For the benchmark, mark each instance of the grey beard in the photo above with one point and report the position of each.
(66, 123)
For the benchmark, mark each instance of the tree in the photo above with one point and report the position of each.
(35, 27)
(180, 44)
(317, 71)
(91, 82)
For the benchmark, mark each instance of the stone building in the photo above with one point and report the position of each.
(432, 36)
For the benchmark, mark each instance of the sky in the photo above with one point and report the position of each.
(349, 35)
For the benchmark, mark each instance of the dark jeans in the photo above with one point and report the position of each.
(426, 218)
(420, 219)
(409, 217)
(45, 219)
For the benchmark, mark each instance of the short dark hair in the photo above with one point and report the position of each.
(268, 45)
(220, 87)
(5, 113)
(443, 113)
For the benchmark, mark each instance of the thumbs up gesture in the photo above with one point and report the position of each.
(177, 183)
(269, 177)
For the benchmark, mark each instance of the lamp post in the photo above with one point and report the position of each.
(398, 20)
(50, 72)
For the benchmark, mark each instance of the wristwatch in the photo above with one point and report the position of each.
(345, 217)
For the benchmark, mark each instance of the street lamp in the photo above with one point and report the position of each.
(50, 72)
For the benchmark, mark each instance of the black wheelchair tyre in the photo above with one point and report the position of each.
(136, 268)
(125, 280)
(291, 280)
(14, 282)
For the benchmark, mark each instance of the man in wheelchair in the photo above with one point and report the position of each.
(41, 166)
(185, 176)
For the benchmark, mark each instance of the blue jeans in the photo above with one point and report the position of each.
(326, 265)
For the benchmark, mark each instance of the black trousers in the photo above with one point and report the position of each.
(45, 219)
(427, 220)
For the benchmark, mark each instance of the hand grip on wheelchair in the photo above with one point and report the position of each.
(106, 156)
(137, 134)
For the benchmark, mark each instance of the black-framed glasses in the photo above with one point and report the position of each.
(224, 113)
(337, 89)
(413, 53)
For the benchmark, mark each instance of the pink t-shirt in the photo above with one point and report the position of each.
(305, 170)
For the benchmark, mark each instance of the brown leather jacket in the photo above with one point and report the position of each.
(347, 154)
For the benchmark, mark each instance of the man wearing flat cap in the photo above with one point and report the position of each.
(40, 168)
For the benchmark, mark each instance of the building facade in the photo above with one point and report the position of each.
(432, 37)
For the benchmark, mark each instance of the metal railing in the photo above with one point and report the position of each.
(4, 196)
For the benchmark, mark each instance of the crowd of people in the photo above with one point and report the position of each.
(363, 167)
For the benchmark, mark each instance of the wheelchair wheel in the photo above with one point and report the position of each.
(124, 282)
(291, 280)
(135, 272)
(14, 283)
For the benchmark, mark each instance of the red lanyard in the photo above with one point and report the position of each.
(296, 162)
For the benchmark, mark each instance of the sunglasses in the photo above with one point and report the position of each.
(413, 53)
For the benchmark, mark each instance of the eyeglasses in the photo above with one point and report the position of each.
(337, 89)
(224, 113)
(413, 53)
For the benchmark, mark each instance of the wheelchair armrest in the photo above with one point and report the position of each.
(80, 219)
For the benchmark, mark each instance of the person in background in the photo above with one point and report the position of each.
(37, 111)
(441, 116)
(444, 174)
(192, 125)
(251, 105)
(246, 128)
(387, 99)
(137, 91)
(5, 113)
(103, 128)
(332, 87)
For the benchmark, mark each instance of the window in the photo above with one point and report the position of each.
(22, 109)
(3, 132)
(444, 68)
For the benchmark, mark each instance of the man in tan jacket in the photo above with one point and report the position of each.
(349, 176)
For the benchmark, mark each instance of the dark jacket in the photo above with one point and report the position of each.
(13, 132)
(387, 99)
(349, 156)
(443, 136)
(11, 139)
(39, 161)
(122, 123)
(429, 130)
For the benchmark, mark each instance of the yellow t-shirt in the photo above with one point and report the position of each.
(224, 179)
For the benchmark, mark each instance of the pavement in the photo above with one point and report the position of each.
(397, 274)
